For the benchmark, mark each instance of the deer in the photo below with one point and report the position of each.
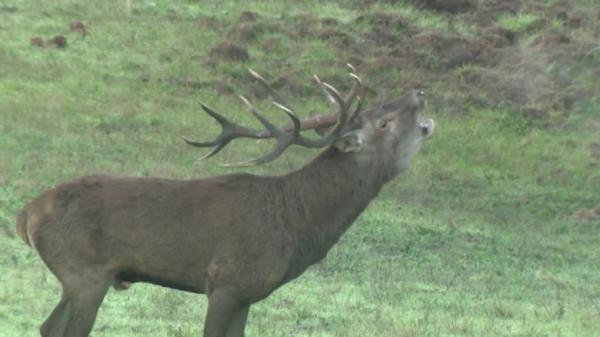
(235, 238)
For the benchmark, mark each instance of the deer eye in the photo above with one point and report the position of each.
(383, 123)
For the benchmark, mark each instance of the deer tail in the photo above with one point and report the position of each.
(22, 227)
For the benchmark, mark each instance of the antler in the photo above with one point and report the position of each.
(321, 120)
(290, 134)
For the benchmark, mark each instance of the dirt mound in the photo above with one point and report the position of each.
(230, 52)
(445, 51)
(521, 54)
(58, 41)
(451, 6)
(384, 29)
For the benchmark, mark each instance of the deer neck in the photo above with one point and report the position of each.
(328, 194)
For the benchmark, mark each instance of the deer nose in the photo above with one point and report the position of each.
(427, 127)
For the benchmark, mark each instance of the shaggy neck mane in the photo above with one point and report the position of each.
(323, 198)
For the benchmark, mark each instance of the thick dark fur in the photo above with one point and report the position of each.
(235, 238)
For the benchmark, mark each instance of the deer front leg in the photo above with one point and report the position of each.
(238, 322)
(223, 307)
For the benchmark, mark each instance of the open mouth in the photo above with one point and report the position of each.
(427, 127)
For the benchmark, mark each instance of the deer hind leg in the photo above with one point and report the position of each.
(224, 311)
(55, 323)
(75, 314)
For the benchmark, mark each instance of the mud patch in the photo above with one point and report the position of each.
(451, 6)
(336, 36)
(431, 50)
(249, 16)
(78, 27)
(58, 41)
(482, 64)
(384, 29)
(489, 11)
(586, 214)
(550, 40)
(498, 37)
(230, 52)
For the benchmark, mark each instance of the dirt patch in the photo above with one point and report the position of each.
(327, 22)
(498, 37)
(430, 50)
(229, 51)
(78, 27)
(498, 7)
(550, 40)
(489, 11)
(384, 29)
(57, 41)
(38, 42)
(337, 36)
(249, 16)
(528, 70)
(451, 6)
(271, 44)
(586, 214)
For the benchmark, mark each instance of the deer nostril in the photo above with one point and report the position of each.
(427, 127)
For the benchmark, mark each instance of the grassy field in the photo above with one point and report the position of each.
(493, 231)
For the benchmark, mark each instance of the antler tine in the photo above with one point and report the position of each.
(328, 97)
(224, 122)
(274, 95)
(357, 86)
(342, 104)
(284, 139)
(332, 135)
(229, 131)
(356, 111)
(265, 122)
(357, 91)
(296, 122)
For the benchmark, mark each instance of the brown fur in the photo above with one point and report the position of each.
(235, 238)
(22, 227)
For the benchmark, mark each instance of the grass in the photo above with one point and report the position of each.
(518, 22)
(476, 239)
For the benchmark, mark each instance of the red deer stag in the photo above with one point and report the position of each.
(235, 238)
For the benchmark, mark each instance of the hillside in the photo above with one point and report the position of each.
(493, 231)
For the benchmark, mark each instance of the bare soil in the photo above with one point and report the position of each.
(530, 71)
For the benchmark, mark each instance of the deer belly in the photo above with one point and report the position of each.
(187, 281)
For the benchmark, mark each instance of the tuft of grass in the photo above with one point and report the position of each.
(519, 22)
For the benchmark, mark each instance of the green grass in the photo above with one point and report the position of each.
(518, 22)
(477, 238)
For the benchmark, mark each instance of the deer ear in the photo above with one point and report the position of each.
(351, 142)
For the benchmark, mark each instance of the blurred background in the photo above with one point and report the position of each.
(493, 231)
